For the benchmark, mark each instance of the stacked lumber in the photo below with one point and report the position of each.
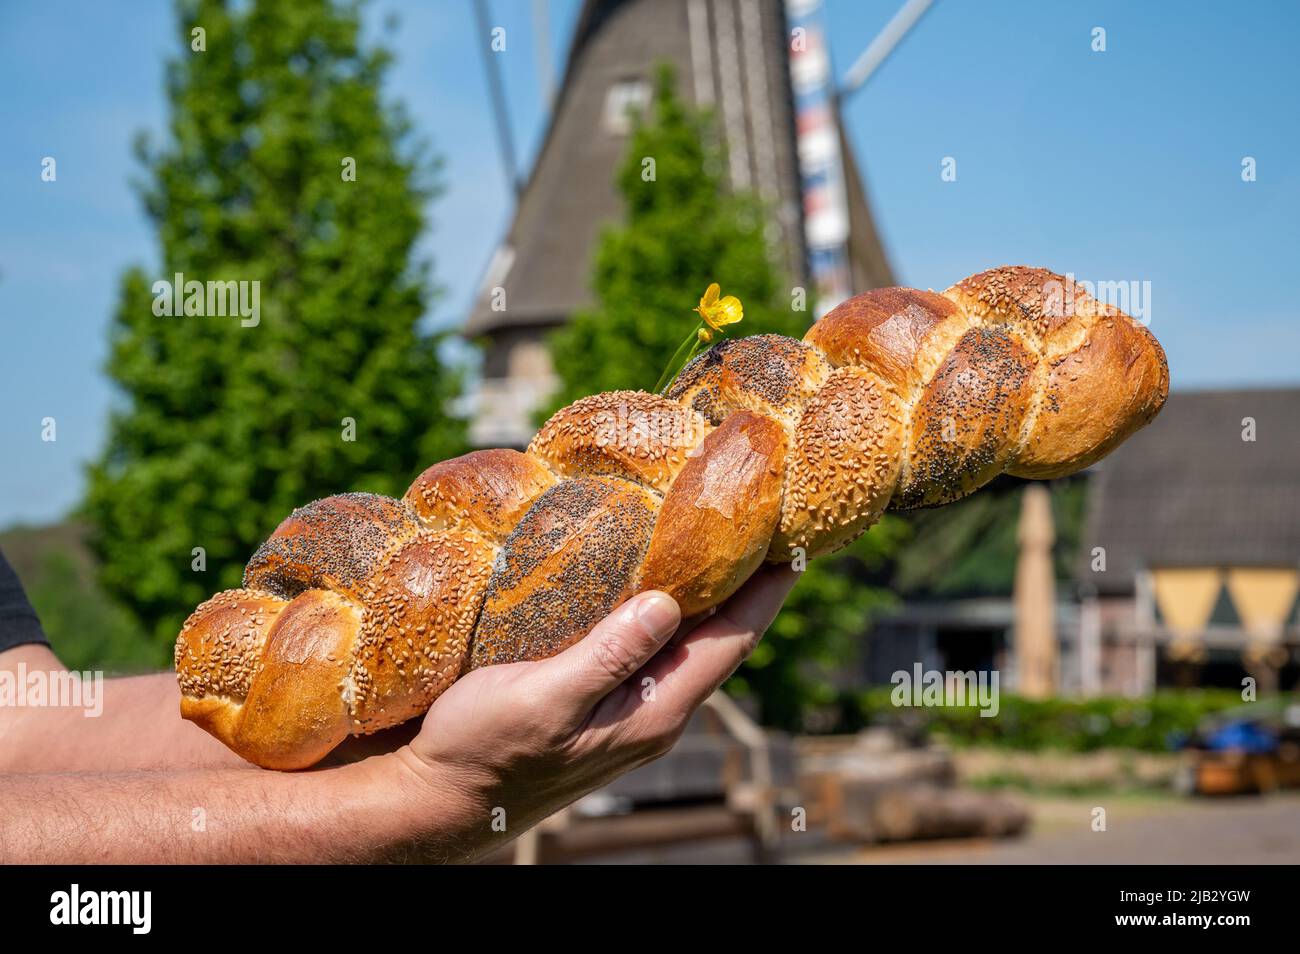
(876, 788)
(926, 811)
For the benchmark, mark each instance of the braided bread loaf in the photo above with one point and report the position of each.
(360, 610)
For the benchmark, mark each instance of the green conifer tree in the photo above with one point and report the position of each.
(282, 165)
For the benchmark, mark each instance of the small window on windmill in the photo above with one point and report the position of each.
(625, 99)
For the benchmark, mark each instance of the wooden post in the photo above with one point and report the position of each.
(1035, 597)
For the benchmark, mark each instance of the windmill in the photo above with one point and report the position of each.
(763, 67)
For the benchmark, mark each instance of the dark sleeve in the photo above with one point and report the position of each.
(18, 622)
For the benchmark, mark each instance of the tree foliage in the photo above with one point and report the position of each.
(682, 230)
(969, 548)
(222, 429)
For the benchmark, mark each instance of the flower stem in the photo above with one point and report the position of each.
(676, 363)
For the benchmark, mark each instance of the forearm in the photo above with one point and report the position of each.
(384, 808)
(135, 725)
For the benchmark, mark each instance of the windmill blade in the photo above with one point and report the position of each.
(496, 90)
(908, 15)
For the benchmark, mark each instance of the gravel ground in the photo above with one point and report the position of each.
(1140, 829)
(1247, 830)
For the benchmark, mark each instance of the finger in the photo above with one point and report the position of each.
(619, 645)
(704, 659)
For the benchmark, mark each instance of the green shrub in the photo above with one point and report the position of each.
(1147, 724)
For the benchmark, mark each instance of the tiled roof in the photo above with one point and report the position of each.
(1189, 491)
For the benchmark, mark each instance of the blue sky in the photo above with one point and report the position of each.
(1122, 165)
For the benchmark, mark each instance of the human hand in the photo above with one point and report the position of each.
(529, 738)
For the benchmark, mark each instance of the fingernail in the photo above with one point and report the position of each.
(658, 614)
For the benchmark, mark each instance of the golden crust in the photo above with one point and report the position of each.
(716, 521)
(843, 466)
(628, 434)
(487, 490)
(572, 559)
(218, 716)
(1114, 383)
(901, 334)
(218, 655)
(1043, 306)
(220, 646)
(967, 424)
(335, 543)
(296, 711)
(769, 374)
(420, 612)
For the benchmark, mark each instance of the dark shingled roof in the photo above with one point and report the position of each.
(1189, 491)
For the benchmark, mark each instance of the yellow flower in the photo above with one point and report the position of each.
(718, 312)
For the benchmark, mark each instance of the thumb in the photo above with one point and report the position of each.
(605, 658)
